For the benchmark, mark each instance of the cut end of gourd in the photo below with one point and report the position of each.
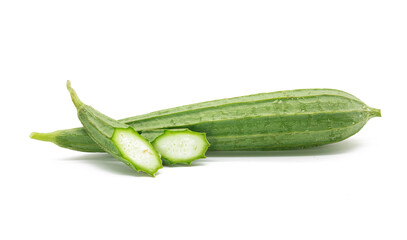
(181, 146)
(75, 99)
(137, 150)
(47, 137)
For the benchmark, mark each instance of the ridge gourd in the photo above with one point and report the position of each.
(282, 120)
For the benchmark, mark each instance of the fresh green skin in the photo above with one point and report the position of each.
(101, 130)
(281, 120)
(156, 135)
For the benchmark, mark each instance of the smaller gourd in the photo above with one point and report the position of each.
(116, 138)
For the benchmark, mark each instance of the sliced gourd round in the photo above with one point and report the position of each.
(181, 146)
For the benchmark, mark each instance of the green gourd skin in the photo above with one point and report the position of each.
(283, 120)
(106, 133)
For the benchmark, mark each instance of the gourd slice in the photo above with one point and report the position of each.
(178, 145)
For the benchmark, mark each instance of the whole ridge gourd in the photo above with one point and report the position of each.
(293, 119)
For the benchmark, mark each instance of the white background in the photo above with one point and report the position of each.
(132, 57)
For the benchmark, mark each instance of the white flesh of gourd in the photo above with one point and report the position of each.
(136, 148)
(180, 146)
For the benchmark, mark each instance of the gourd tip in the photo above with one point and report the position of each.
(32, 135)
(48, 137)
(375, 112)
(75, 99)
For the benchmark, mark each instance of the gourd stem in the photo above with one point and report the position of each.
(47, 137)
(374, 112)
(75, 99)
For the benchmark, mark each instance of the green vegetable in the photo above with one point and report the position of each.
(117, 139)
(178, 145)
(282, 120)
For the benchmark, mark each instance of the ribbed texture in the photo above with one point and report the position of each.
(268, 121)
